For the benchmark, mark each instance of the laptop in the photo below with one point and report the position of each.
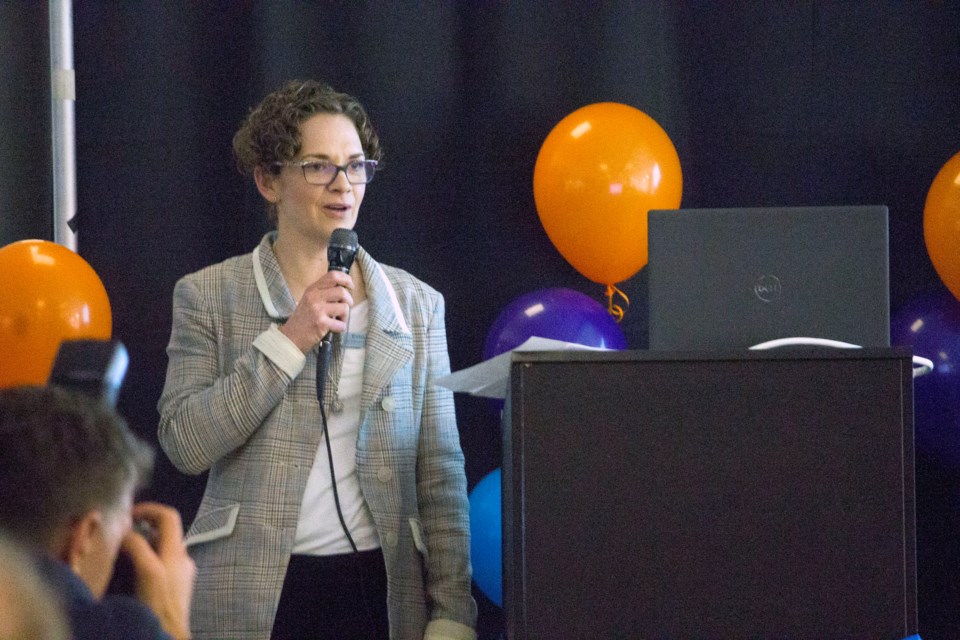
(734, 278)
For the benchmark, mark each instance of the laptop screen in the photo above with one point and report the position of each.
(734, 278)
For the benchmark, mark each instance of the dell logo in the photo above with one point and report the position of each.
(767, 288)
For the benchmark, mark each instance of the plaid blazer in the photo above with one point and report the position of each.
(228, 408)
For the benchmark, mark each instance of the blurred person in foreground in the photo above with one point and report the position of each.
(365, 533)
(28, 607)
(69, 468)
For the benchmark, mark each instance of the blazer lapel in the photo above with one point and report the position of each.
(389, 341)
(273, 290)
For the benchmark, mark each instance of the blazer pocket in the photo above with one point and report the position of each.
(419, 539)
(213, 525)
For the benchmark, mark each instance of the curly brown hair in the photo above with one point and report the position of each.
(271, 131)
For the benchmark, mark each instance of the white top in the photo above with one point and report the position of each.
(318, 530)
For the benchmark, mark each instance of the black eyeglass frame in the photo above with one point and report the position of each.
(370, 170)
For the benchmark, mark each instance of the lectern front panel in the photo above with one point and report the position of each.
(659, 496)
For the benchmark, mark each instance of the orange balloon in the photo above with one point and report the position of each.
(941, 224)
(598, 173)
(47, 294)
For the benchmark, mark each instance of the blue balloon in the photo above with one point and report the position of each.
(930, 324)
(558, 313)
(486, 538)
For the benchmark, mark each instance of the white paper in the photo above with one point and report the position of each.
(490, 378)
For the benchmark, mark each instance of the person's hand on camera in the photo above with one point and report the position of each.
(164, 570)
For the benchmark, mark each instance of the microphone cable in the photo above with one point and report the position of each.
(341, 251)
(325, 434)
(323, 366)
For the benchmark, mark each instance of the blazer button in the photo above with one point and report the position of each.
(388, 403)
(390, 539)
(384, 475)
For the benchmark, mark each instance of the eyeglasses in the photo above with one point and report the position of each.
(323, 173)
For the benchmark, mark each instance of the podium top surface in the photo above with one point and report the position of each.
(786, 353)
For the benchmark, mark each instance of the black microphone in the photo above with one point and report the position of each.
(341, 251)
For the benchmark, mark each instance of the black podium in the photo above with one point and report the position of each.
(709, 495)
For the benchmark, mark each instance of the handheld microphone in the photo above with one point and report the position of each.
(341, 251)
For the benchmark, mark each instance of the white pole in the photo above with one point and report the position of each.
(63, 95)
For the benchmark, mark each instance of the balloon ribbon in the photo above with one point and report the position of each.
(614, 309)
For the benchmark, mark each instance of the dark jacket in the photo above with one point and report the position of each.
(113, 617)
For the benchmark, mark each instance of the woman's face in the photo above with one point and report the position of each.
(314, 211)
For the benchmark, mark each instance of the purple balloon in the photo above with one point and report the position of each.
(930, 324)
(560, 314)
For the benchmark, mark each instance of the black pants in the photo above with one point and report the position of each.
(334, 598)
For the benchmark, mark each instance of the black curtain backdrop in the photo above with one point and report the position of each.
(800, 103)
(26, 183)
